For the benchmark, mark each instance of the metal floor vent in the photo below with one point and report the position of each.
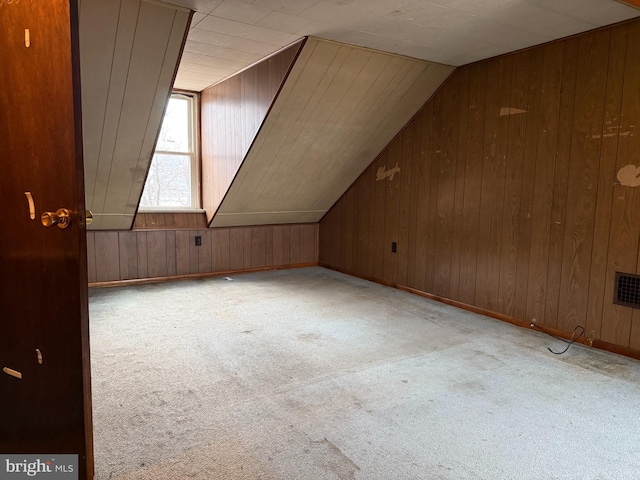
(627, 290)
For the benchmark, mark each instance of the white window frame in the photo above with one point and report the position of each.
(194, 153)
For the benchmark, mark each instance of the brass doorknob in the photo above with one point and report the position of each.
(61, 218)
(88, 217)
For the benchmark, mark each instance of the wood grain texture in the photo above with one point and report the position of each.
(515, 191)
(547, 134)
(493, 184)
(461, 155)
(446, 157)
(232, 113)
(128, 255)
(513, 203)
(91, 257)
(107, 254)
(148, 220)
(472, 181)
(606, 226)
(115, 256)
(43, 270)
(584, 163)
(625, 221)
(561, 178)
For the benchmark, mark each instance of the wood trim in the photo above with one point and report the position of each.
(587, 341)
(143, 281)
(630, 3)
(169, 221)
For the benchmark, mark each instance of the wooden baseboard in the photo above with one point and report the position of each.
(226, 273)
(591, 342)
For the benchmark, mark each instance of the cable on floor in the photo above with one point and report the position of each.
(569, 342)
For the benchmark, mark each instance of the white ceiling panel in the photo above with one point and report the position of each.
(209, 37)
(240, 12)
(284, 22)
(453, 32)
(266, 35)
(222, 25)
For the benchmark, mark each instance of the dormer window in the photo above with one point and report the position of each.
(173, 180)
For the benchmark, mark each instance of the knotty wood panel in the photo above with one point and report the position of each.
(514, 205)
(129, 56)
(130, 255)
(337, 109)
(232, 113)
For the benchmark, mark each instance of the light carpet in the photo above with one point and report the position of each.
(312, 374)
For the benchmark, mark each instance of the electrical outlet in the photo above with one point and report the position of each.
(198, 240)
(394, 247)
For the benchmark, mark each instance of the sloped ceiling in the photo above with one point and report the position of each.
(339, 107)
(228, 35)
(129, 52)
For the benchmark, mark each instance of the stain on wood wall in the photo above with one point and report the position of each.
(232, 114)
(129, 255)
(507, 197)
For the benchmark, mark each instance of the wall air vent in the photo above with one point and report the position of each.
(627, 290)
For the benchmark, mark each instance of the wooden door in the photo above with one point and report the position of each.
(43, 277)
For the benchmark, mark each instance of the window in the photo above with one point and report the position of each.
(172, 182)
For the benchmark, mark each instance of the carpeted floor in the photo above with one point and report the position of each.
(311, 374)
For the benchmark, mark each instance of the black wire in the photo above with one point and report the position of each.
(569, 342)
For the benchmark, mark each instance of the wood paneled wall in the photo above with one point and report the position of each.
(150, 220)
(232, 112)
(129, 255)
(506, 195)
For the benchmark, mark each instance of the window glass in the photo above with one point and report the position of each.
(174, 134)
(172, 181)
(169, 181)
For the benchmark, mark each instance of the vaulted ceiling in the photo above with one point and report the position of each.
(338, 108)
(228, 35)
(131, 50)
